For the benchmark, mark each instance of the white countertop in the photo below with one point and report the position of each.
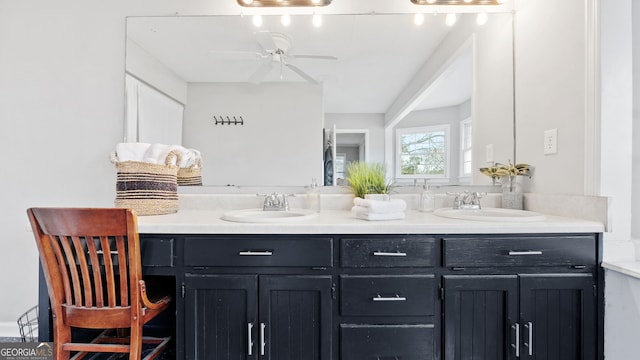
(344, 222)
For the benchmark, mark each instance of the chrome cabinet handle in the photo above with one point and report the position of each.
(250, 338)
(256, 253)
(529, 343)
(391, 298)
(516, 343)
(383, 253)
(263, 342)
(524, 253)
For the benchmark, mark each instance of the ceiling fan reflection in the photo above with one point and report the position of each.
(275, 48)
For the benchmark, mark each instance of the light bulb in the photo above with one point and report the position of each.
(317, 20)
(257, 20)
(418, 19)
(247, 2)
(482, 18)
(285, 20)
(431, 1)
(468, 1)
(315, 2)
(451, 19)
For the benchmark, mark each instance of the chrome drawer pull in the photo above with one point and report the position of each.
(382, 253)
(392, 298)
(256, 253)
(101, 252)
(521, 253)
(516, 344)
(250, 339)
(529, 344)
(263, 342)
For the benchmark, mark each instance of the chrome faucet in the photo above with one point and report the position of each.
(467, 200)
(276, 202)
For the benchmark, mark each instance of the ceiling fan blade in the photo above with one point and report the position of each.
(302, 74)
(319, 57)
(261, 72)
(265, 39)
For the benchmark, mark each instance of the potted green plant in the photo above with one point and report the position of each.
(367, 178)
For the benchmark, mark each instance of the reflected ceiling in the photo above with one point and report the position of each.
(377, 55)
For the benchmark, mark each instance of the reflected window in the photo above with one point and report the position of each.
(423, 152)
(466, 146)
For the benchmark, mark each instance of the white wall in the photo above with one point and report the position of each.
(550, 90)
(281, 121)
(635, 195)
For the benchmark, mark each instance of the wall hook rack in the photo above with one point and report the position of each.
(227, 120)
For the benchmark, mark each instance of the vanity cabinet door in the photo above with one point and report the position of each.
(480, 317)
(295, 318)
(558, 317)
(220, 317)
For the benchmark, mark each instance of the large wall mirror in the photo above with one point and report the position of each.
(260, 103)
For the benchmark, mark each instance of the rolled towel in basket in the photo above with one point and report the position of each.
(131, 151)
(157, 153)
(381, 206)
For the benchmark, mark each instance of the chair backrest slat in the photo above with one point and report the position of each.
(73, 270)
(85, 278)
(95, 267)
(123, 270)
(109, 274)
(54, 243)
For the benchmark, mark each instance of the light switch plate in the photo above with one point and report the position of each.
(551, 142)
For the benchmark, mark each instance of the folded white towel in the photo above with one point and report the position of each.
(131, 151)
(380, 216)
(381, 206)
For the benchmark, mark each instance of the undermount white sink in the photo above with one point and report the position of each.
(261, 216)
(490, 214)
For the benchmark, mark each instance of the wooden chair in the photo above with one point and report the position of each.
(91, 262)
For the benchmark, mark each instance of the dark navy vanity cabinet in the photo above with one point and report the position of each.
(379, 297)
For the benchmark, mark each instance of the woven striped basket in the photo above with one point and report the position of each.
(191, 176)
(149, 189)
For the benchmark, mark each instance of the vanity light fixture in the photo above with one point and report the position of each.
(451, 19)
(455, 2)
(285, 20)
(257, 20)
(283, 3)
(317, 20)
(482, 18)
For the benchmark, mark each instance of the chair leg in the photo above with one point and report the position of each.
(61, 336)
(135, 343)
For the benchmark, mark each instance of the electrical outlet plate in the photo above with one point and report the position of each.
(489, 153)
(551, 142)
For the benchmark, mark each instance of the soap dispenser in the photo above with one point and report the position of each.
(427, 198)
(313, 196)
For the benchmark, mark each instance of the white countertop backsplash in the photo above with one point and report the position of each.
(200, 214)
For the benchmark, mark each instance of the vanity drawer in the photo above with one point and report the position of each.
(406, 342)
(520, 251)
(401, 295)
(156, 251)
(409, 251)
(247, 251)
